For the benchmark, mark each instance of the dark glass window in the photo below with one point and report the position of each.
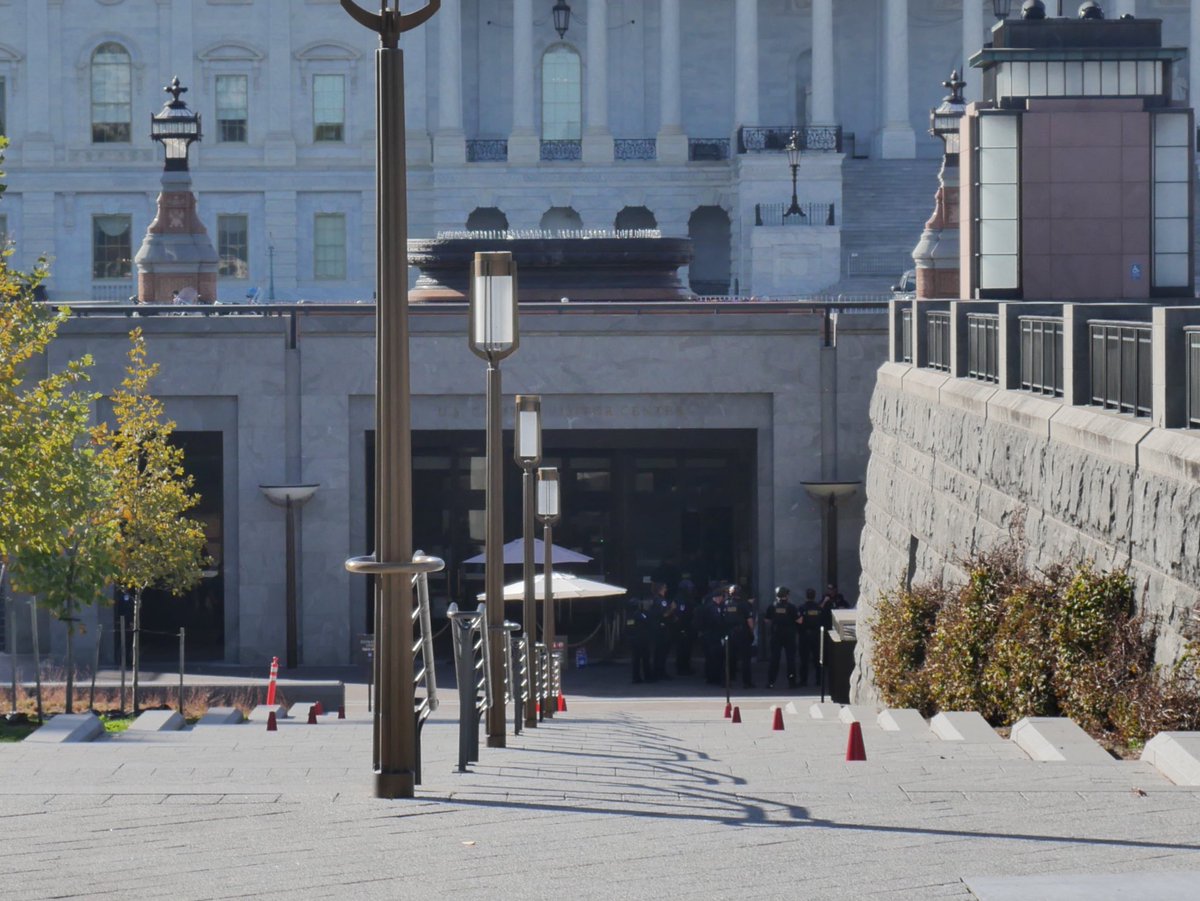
(233, 247)
(232, 109)
(111, 94)
(112, 247)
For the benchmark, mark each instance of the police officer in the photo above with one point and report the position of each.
(637, 622)
(738, 620)
(782, 616)
(685, 630)
(711, 622)
(666, 624)
(811, 616)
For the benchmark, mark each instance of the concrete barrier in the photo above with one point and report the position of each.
(157, 721)
(68, 727)
(221, 716)
(1057, 738)
(260, 713)
(826, 711)
(965, 726)
(1174, 754)
(903, 719)
(858, 713)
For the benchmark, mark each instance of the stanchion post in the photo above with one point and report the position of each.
(95, 666)
(37, 658)
(123, 649)
(182, 633)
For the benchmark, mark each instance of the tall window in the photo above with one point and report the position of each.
(232, 107)
(329, 107)
(111, 94)
(998, 216)
(1172, 217)
(112, 246)
(562, 99)
(233, 247)
(329, 246)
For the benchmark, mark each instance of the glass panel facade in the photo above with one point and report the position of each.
(1172, 224)
(562, 97)
(329, 246)
(112, 243)
(329, 108)
(1073, 78)
(997, 222)
(111, 94)
(233, 247)
(232, 109)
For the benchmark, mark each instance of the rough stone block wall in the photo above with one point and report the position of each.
(955, 463)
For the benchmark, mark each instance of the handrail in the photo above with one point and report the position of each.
(513, 682)
(471, 657)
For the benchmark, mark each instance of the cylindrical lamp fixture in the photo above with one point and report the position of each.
(493, 330)
(547, 494)
(527, 446)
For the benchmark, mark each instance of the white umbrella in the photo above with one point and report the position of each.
(514, 552)
(565, 586)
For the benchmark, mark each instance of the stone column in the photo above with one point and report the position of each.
(745, 64)
(37, 145)
(896, 139)
(672, 142)
(280, 147)
(182, 51)
(822, 63)
(1194, 58)
(418, 148)
(972, 40)
(449, 141)
(597, 139)
(523, 143)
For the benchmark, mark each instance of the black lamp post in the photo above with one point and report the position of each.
(548, 511)
(793, 155)
(527, 449)
(562, 17)
(945, 118)
(175, 127)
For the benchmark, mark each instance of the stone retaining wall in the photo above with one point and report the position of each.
(955, 463)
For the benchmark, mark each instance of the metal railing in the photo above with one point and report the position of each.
(983, 346)
(755, 138)
(1042, 355)
(777, 214)
(424, 672)
(113, 291)
(635, 149)
(1120, 366)
(708, 150)
(1192, 344)
(937, 338)
(906, 335)
(541, 664)
(514, 683)
(487, 150)
(561, 151)
(471, 659)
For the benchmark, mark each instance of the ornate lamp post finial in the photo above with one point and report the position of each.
(176, 127)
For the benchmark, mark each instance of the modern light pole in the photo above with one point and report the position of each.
(290, 497)
(396, 752)
(527, 449)
(493, 336)
(548, 512)
(793, 153)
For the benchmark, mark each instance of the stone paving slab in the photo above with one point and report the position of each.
(619, 798)
(1086, 887)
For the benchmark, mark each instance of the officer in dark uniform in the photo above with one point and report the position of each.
(666, 624)
(738, 619)
(637, 622)
(685, 630)
(782, 617)
(710, 622)
(811, 616)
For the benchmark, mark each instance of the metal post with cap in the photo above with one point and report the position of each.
(548, 512)
(527, 451)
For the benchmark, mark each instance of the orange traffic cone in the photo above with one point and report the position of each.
(562, 704)
(854, 744)
(737, 714)
(312, 715)
(342, 712)
(777, 723)
(272, 726)
(320, 708)
(728, 710)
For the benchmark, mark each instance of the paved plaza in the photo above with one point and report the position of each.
(645, 797)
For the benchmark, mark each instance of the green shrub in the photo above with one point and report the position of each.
(907, 618)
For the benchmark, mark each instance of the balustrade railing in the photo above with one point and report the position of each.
(113, 291)
(705, 150)
(983, 346)
(625, 149)
(561, 151)
(937, 336)
(1120, 366)
(781, 214)
(756, 138)
(487, 150)
(1192, 344)
(1042, 355)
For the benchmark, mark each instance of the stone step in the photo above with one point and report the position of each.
(963, 725)
(221, 716)
(68, 727)
(905, 720)
(858, 713)
(157, 721)
(1057, 738)
(1174, 754)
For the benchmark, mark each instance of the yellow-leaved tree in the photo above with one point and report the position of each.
(155, 544)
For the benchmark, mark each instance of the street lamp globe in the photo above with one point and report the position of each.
(175, 127)
(527, 446)
(493, 313)
(547, 494)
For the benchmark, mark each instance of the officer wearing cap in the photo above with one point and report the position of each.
(811, 615)
(782, 616)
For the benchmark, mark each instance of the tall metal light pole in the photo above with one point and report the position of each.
(396, 752)
(793, 152)
(493, 336)
(527, 449)
(290, 497)
(548, 513)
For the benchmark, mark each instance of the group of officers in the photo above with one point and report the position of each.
(724, 623)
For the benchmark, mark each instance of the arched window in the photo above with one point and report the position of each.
(560, 219)
(562, 97)
(634, 218)
(111, 94)
(711, 237)
(487, 219)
